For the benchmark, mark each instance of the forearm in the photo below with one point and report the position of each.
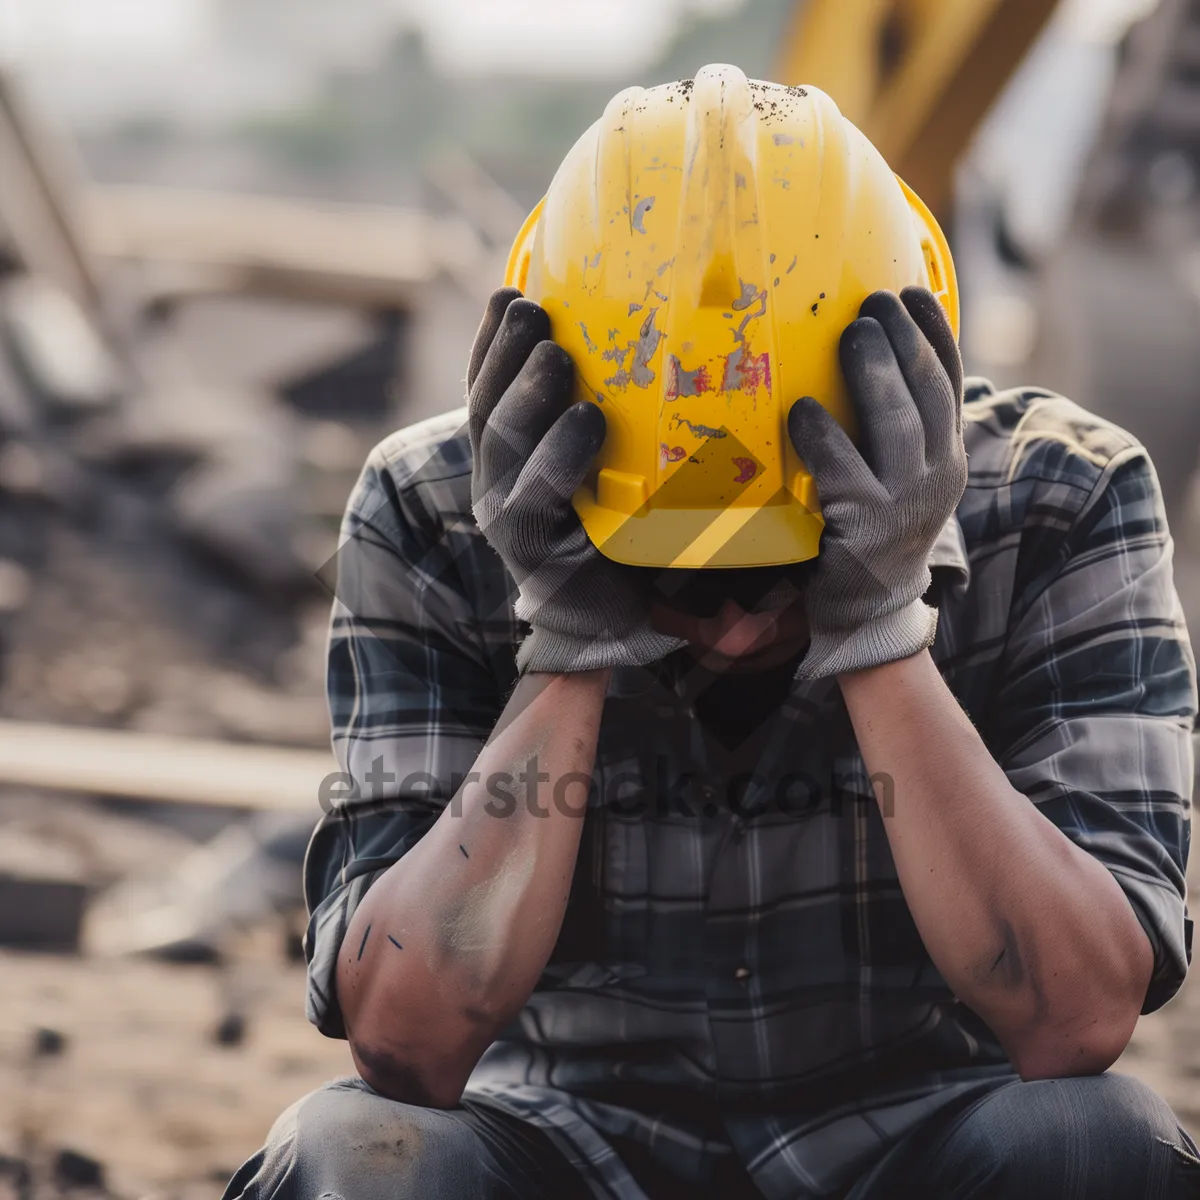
(1028, 930)
(448, 944)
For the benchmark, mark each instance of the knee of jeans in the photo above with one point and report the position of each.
(1028, 1129)
(1114, 1108)
(349, 1142)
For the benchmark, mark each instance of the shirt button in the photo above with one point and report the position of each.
(742, 974)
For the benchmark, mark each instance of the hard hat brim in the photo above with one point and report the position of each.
(739, 536)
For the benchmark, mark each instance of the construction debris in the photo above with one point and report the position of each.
(48, 1043)
(42, 894)
(231, 1029)
(188, 911)
(75, 1170)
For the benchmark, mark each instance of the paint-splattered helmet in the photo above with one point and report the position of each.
(699, 252)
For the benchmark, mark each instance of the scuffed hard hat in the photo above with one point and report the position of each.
(699, 252)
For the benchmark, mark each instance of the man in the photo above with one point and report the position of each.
(717, 865)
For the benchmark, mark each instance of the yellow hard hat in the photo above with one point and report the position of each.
(699, 253)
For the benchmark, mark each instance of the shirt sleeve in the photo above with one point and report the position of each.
(1093, 720)
(413, 695)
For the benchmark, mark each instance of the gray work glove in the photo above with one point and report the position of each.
(531, 449)
(885, 502)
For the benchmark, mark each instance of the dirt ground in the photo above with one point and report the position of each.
(143, 1084)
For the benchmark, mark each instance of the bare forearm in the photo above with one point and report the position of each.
(448, 944)
(1030, 931)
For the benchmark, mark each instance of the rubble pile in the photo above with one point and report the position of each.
(159, 540)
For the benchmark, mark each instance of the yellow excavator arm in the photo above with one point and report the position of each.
(916, 76)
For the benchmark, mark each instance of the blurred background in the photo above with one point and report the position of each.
(240, 241)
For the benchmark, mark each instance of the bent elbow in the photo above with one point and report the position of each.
(1082, 1061)
(400, 1078)
(1065, 1056)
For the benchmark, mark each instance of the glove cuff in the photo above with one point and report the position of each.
(547, 652)
(889, 638)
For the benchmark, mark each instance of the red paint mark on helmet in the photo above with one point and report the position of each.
(745, 372)
(671, 454)
(748, 468)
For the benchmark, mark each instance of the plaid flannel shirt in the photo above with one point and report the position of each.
(738, 973)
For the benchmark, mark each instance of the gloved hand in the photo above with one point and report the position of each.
(885, 502)
(531, 449)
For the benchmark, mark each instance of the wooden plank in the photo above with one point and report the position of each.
(150, 767)
(358, 253)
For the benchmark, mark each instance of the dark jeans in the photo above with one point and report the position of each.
(1103, 1137)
